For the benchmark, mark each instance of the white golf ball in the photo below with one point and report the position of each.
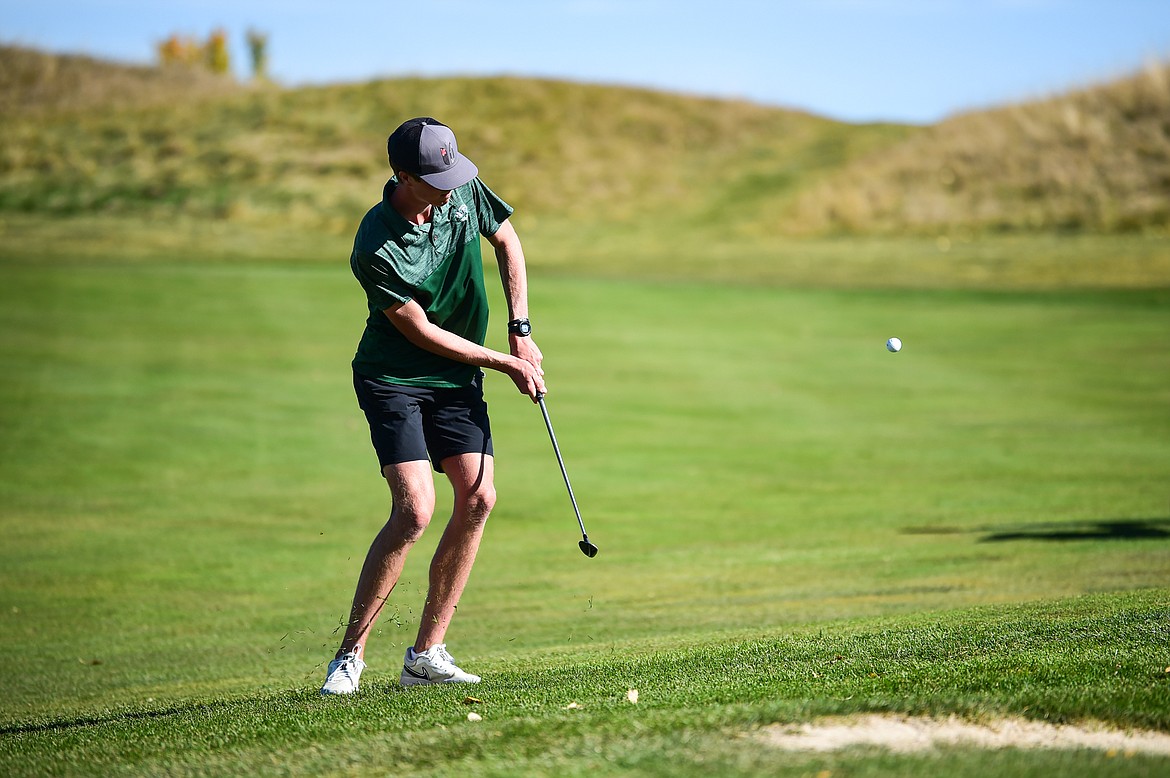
(893, 344)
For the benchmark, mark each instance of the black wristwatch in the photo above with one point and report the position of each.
(521, 327)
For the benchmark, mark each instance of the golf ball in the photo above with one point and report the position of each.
(893, 344)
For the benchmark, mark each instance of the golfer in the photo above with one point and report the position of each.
(418, 377)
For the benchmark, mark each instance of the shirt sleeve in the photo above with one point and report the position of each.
(490, 210)
(383, 286)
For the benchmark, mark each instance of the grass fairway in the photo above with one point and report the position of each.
(792, 522)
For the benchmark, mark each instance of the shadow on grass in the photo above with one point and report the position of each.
(177, 710)
(1091, 529)
(98, 721)
(1122, 529)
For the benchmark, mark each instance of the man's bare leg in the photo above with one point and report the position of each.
(472, 477)
(413, 491)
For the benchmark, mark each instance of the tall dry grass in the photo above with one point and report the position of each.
(316, 155)
(1097, 159)
(82, 136)
(42, 83)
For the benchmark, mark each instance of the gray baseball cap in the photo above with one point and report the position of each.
(426, 148)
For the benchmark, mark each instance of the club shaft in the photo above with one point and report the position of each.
(560, 461)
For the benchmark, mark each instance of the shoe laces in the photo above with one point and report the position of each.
(349, 664)
(439, 653)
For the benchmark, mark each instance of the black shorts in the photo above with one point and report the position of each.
(408, 423)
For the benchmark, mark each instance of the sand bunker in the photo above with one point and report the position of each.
(905, 734)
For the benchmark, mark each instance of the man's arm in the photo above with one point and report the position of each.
(514, 277)
(412, 322)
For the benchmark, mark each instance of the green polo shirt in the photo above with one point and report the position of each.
(439, 266)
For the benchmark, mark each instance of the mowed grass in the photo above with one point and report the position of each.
(792, 521)
(698, 706)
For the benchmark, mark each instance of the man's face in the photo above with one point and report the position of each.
(427, 193)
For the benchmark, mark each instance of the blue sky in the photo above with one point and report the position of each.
(857, 60)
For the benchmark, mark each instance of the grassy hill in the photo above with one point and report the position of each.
(83, 135)
(612, 181)
(573, 151)
(36, 82)
(1096, 159)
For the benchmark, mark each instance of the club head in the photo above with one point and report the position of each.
(587, 548)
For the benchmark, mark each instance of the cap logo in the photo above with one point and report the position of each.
(447, 154)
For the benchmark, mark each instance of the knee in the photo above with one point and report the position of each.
(480, 503)
(409, 522)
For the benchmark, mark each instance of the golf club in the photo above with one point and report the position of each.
(587, 548)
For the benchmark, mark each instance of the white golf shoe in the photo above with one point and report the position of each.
(434, 665)
(343, 674)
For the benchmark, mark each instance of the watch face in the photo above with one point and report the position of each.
(525, 328)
